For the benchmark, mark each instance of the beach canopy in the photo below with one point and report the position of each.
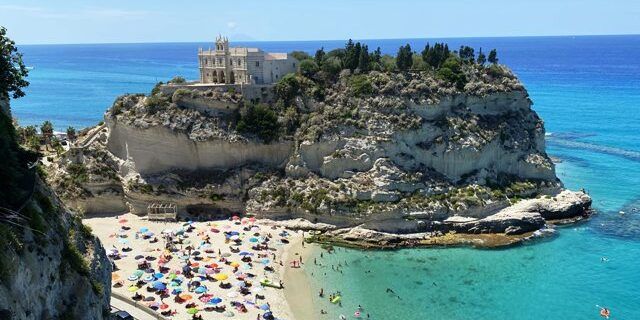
(264, 307)
(158, 275)
(185, 296)
(144, 229)
(192, 311)
(133, 289)
(159, 285)
(221, 277)
(200, 289)
(215, 300)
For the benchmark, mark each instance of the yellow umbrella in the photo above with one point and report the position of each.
(221, 277)
(115, 276)
(133, 289)
(185, 296)
(234, 264)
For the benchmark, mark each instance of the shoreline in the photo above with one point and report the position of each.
(297, 290)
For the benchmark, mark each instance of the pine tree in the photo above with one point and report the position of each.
(404, 59)
(493, 56)
(364, 60)
(319, 57)
(482, 58)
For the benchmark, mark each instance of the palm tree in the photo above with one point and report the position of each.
(71, 134)
(47, 131)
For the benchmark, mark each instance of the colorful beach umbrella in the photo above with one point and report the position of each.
(192, 311)
(221, 277)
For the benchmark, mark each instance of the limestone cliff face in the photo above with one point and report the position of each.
(159, 149)
(53, 267)
(407, 146)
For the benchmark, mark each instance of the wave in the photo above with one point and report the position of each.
(559, 140)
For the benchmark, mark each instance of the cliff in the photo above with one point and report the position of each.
(51, 266)
(387, 151)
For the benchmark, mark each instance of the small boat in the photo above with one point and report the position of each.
(336, 299)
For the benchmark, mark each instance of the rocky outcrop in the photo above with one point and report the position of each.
(53, 267)
(396, 153)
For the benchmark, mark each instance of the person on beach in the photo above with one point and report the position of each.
(321, 294)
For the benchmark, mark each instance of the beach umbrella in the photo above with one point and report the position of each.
(221, 277)
(253, 239)
(228, 314)
(159, 285)
(214, 230)
(234, 233)
(115, 276)
(192, 311)
(252, 219)
(133, 289)
(176, 291)
(138, 273)
(148, 278)
(209, 271)
(174, 284)
(144, 229)
(234, 237)
(234, 264)
(215, 300)
(186, 241)
(123, 221)
(244, 253)
(264, 307)
(200, 289)
(213, 265)
(226, 254)
(267, 315)
(149, 234)
(185, 296)
(164, 306)
(265, 261)
(171, 276)
(123, 241)
(158, 275)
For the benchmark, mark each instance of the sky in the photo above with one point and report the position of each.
(119, 21)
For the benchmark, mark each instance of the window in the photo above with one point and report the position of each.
(239, 62)
(257, 63)
(294, 64)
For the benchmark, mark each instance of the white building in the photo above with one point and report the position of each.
(242, 65)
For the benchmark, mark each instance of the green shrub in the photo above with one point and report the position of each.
(97, 287)
(360, 85)
(261, 121)
(308, 68)
(78, 172)
(451, 71)
(178, 80)
(216, 197)
(287, 88)
(74, 258)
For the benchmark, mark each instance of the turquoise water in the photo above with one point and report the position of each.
(587, 89)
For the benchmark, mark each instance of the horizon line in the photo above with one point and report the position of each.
(363, 39)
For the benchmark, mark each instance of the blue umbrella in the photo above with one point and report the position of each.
(123, 240)
(176, 291)
(201, 289)
(159, 285)
(215, 300)
(158, 275)
(253, 240)
(149, 234)
(144, 229)
(244, 253)
(234, 233)
(264, 307)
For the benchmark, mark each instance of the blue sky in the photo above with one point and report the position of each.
(75, 21)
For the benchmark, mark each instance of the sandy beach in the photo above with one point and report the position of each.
(249, 258)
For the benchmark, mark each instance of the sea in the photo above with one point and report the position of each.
(587, 90)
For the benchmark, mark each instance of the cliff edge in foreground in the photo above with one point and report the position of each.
(453, 148)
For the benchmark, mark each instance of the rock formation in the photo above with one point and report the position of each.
(387, 151)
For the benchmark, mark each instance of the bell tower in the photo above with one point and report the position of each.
(222, 44)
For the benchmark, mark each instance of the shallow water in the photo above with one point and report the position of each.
(587, 89)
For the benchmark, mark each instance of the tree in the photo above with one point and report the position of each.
(308, 68)
(482, 58)
(451, 71)
(466, 54)
(47, 131)
(71, 134)
(352, 54)
(319, 57)
(435, 56)
(12, 69)
(300, 55)
(493, 56)
(364, 62)
(404, 59)
(261, 121)
(177, 80)
(287, 88)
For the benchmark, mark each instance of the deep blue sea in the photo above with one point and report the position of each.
(587, 90)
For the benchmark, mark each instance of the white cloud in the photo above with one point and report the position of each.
(232, 25)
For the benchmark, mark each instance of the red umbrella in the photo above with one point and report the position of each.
(123, 220)
(252, 219)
